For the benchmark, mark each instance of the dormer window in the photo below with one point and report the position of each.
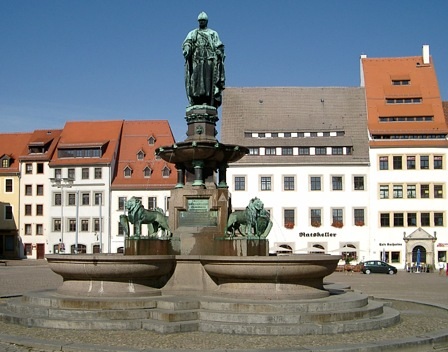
(6, 162)
(140, 155)
(127, 171)
(151, 140)
(166, 171)
(147, 172)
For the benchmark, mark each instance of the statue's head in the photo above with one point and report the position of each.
(202, 19)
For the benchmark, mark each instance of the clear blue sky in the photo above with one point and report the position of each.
(66, 60)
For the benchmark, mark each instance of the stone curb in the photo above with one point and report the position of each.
(437, 340)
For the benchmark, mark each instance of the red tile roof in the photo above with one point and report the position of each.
(41, 138)
(82, 134)
(134, 139)
(379, 74)
(11, 145)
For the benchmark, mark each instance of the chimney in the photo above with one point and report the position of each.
(361, 70)
(425, 54)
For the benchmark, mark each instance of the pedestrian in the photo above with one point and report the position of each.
(441, 267)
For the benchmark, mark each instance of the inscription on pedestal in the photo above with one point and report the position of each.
(198, 214)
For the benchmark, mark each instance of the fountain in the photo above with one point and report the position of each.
(211, 270)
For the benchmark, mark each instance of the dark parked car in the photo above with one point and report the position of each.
(377, 266)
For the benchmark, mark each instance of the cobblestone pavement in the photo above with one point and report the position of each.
(412, 290)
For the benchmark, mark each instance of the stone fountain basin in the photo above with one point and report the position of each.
(111, 274)
(275, 277)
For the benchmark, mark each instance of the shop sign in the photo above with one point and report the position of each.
(390, 244)
(442, 245)
(317, 234)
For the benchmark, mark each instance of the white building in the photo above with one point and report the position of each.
(308, 163)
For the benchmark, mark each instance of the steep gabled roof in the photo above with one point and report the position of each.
(46, 139)
(11, 146)
(134, 139)
(297, 109)
(102, 135)
(421, 83)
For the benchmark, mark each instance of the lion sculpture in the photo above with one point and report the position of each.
(138, 215)
(253, 221)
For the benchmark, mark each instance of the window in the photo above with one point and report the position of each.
(71, 199)
(85, 198)
(8, 212)
(40, 168)
(84, 225)
(140, 155)
(72, 225)
(398, 191)
(288, 183)
(287, 134)
(315, 182)
(438, 191)
(321, 151)
(270, 151)
(337, 217)
(316, 217)
(412, 219)
(27, 229)
(152, 202)
(265, 183)
(438, 219)
(384, 191)
(56, 225)
(397, 162)
(98, 173)
(28, 190)
(85, 173)
(410, 162)
(151, 140)
(39, 229)
(424, 191)
(384, 219)
(5, 163)
(39, 209)
(98, 198)
(96, 225)
(57, 173)
(121, 203)
(261, 135)
(27, 209)
(71, 174)
(40, 190)
(120, 229)
(336, 182)
(358, 182)
(166, 171)
(95, 152)
(147, 172)
(384, 163)
(358, 215)
(438, 164)
(8, 185)
(254, 151)
(401, 82)
(398, 220)
(289, 218)
(240, 183)
(127, 172)
(57, 200)
(424, 162)
(424, 219)
(337, 151)
(411, 191)
(28, 169)
(304, 151)
(274, 134)
(403, 101)
(287, 151)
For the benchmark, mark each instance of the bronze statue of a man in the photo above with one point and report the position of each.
(204, 65)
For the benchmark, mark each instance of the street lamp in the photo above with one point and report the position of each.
(62, 183)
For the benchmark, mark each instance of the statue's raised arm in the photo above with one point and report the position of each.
(204, 65)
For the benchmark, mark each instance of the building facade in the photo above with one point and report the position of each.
(308, 156)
